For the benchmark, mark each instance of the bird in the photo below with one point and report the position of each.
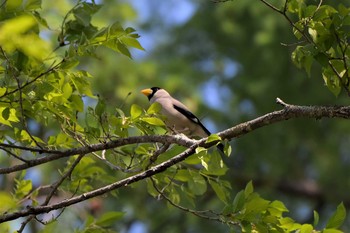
(178, 118)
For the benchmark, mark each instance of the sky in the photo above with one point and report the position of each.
(173, 13)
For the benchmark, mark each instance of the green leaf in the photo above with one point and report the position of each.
(135, 111)
(337, 218)
(219, 190)
(331, 81)
(110, 218)
(204, 164)
(256, 205)
(67, 90)
(321, 58)
(132, 42)
(6, 113)
(153, 121)
(81, 83)
(7, 202)
(316, 218)
(23, 187)
(69, 63)
(213, 138)
(32, 5)
(154, 108)
(123, 49)
(183, 175)
(17, 33)
(84, 11)
(248, 189)
(42, 21)
(197, 184)
(303, 57)
(11, 116)
(13, 4)
(215, 164)
(26, 137)
(201, 149)
(100, 107)
(77, 103)
(238, 202)
(306, 228)
(277, 208)
(288, 223)
(228, 149)
(2, 90)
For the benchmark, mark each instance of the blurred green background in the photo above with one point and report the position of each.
(227, 61)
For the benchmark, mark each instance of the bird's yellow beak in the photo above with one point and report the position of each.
(147, 91)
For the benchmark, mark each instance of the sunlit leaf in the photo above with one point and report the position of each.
(67, 90)
(2, 91)
(154, 108)
(23, 187)
(13, 4)
(135, 111)
(213, 138)
(153, 121)
(16, 33)
(132, 42)
(306, 228)
(7, 202)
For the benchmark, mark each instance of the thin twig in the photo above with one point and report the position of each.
(158, 152)
(201, 214)
(23, 118)
(52, 192)
(14, 155)
(34, 79)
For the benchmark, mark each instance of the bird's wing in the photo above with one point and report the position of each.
(191, 117)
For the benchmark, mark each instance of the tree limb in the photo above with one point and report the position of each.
(288, 112)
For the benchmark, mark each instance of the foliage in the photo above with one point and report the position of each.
(322, 32)
(47, 88)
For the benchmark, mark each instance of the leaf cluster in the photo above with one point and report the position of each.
(322, 32)
(45, 87)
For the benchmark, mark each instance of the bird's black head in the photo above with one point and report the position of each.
(149, 92)
(154, 90)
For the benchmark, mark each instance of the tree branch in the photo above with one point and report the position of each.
(289, 112)
(56, 154)
(122, 183)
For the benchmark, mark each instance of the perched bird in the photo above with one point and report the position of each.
(178, 118)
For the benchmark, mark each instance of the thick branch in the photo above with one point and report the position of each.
(122, 183)
(55, 154)
(289, 111)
